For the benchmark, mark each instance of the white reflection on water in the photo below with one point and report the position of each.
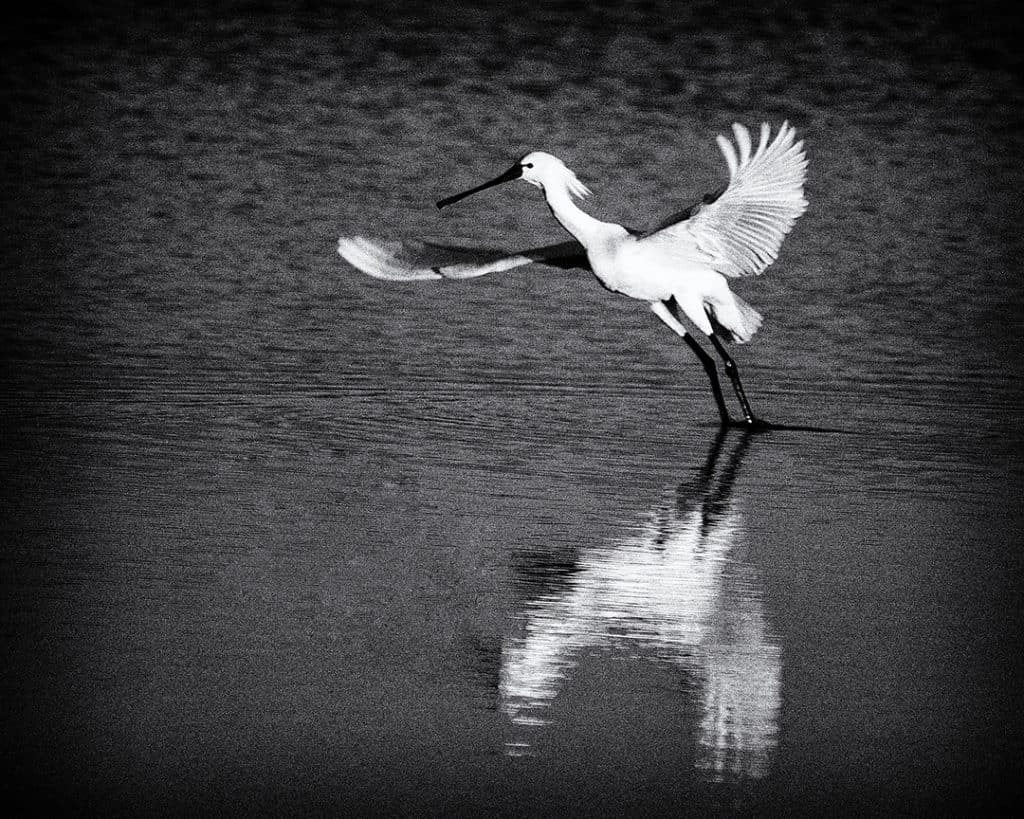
(672, 593)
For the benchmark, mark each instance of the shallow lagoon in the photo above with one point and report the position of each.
(280, 537)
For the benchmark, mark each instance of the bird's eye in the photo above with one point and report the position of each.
(527, 164)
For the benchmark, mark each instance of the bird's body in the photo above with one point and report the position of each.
(683, 265)
(638, 269)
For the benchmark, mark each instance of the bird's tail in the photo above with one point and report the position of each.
(751, 320)
(737, 325)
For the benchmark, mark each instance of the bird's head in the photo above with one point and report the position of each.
(538, 168)
(545, 170)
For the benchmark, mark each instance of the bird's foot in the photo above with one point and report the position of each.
(753, 424)
(758, 425)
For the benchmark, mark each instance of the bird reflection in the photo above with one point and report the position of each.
(673, 592)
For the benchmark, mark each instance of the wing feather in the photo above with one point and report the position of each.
(742, 230)
(730, 155)
(414, 260)
(743, 140)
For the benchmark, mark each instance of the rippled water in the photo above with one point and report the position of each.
(278, 537)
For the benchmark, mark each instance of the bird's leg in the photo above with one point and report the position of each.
(734, 376)
(662, 309)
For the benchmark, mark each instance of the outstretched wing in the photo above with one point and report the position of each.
(740, 231)
(413, 259)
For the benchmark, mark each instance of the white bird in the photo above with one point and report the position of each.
(683, 264)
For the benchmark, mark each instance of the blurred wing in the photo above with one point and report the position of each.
(740, 231)
(413, 260)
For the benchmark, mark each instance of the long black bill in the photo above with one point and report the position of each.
(512, 173)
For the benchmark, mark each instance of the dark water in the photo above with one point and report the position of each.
(279, 538)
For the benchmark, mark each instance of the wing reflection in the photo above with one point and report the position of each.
(674, 593)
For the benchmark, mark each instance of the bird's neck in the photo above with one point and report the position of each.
(581, 225)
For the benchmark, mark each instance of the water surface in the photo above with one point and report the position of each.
(281, 538)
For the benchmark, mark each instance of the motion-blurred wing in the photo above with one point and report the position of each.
(412, 260)
(740, 231)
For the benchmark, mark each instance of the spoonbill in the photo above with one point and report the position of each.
(680, 266)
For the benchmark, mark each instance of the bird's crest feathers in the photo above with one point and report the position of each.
(576, 188)
(543, 169)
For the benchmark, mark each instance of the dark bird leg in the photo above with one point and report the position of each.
(666, 311)
(734, 376)
(712, 371)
